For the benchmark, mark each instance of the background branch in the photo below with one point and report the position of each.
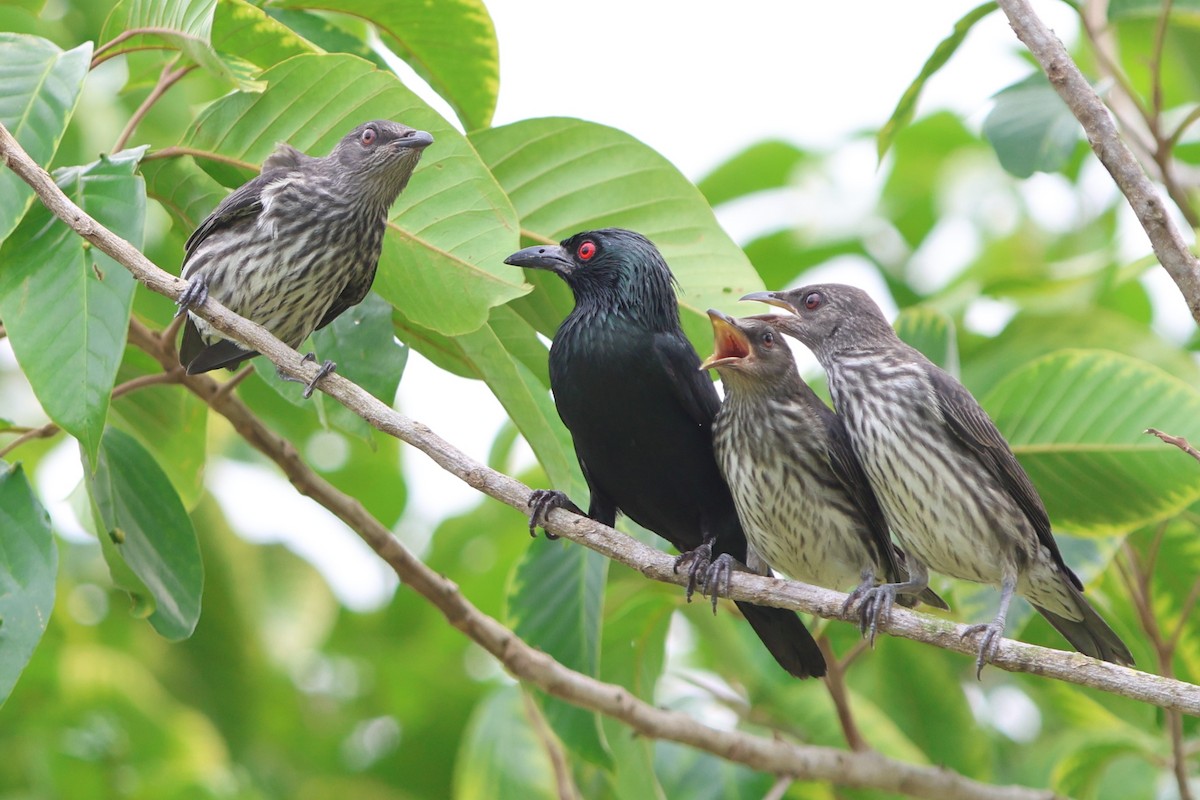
(655, 564)
(1168, 243)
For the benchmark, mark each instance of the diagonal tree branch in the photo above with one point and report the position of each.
(1168, 243)
(1012, 655)
(805, 762)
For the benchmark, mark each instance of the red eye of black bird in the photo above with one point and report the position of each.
(813, 300)
(368, 136)
(586, 250)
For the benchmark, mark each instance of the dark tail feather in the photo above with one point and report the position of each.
(786, 637)
(1090, 636)
(929, 597)
(199, 357)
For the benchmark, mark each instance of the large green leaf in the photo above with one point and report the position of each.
(182, 25)
(28, 568)
(523, 394)
(442, 263)
(567, 175)
(65, 304)
(1076, 418)
(501, 755)
(137, 508)
(556, 604)
(169, 422)
(450, 44)
(41, 84)
(1031, 128)
(362, 344)
(907, 106)
(244, 29)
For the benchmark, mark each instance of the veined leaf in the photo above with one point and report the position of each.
(137, 508)
(41, 84)
(65, 304)
(1076, 418)
(28, 568)
(451, 44)
(567, 175)
(903, 113)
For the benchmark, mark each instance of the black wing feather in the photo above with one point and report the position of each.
(976, 431)
(693, 389)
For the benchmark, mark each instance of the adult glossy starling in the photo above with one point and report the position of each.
(627, 384)
(802, 497)
(298, 245)
(951, 488)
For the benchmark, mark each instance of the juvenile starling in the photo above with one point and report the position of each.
(802, 496)
(298, 245)
(949, 484)
(627, 385)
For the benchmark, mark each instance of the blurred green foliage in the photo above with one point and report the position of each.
(282, 691)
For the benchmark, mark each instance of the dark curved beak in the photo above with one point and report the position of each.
(543, 256)
(417, 140)
(771, 298)
(729, 342)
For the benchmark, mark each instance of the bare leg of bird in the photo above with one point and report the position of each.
(697, 561)
(877, 601)
(540, 503)
(992, 632)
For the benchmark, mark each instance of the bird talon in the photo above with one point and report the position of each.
(540, 502)
(697, 561)
(194, 294)
(989, 644)
(327, 368)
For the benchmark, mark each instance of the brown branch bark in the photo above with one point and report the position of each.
(532, 666)
(1177, 441)
(1012, 655)
(1165, 238)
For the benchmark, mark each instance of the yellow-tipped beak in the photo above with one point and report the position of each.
(729, 343)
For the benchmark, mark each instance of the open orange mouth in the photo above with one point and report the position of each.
(729, 343)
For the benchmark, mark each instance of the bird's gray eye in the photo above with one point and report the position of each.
(768, 339)
(813, 301)
(368, 136)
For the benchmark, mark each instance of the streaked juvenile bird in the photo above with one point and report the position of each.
(627, 384)
(295, 247)
(948, 482)
(803, 499)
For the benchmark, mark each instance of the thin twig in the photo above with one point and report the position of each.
(50, 428)
(1150, 210)
(1012, 656)
(1178, 441)
(558, 759)
(166, 80)
(835, 682)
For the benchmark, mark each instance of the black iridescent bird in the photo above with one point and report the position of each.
(295, 247)
(627, 384)
(952, 491)
(802, 496)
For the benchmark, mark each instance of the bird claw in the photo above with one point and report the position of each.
(309, 386)
(989, 643)
(697, 561)
(718, 575)
(326, 368)
(194, 294)
(540, 502)
(876, 606)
